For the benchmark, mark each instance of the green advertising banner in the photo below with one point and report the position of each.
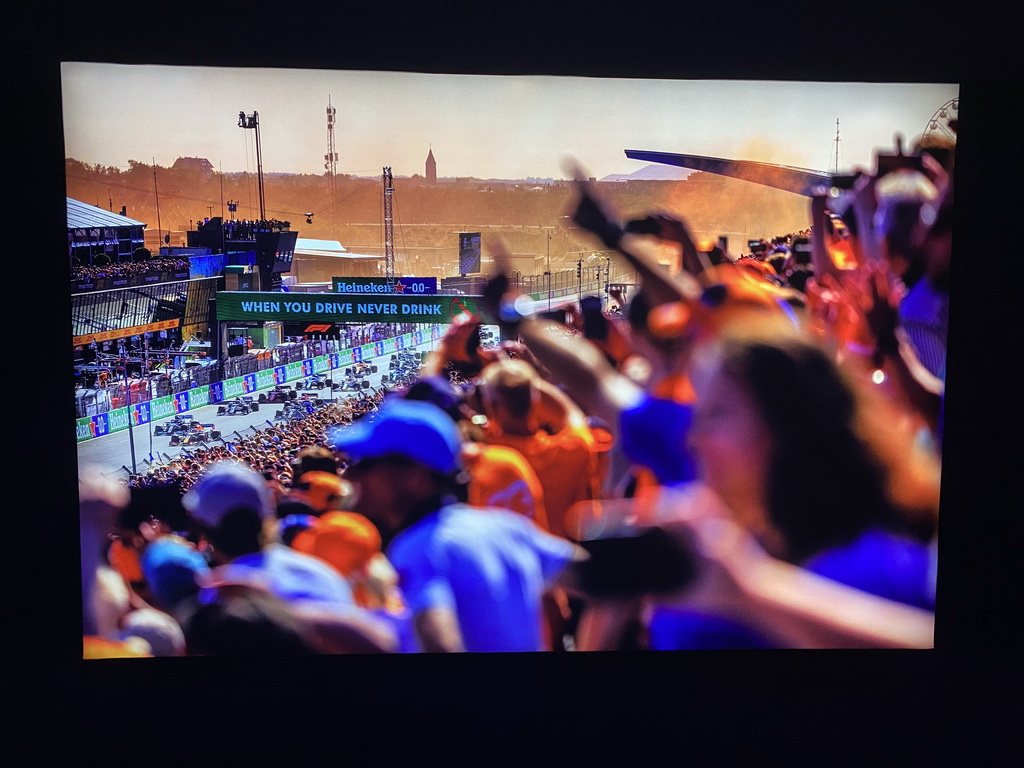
(337, 308)
(199, 396)
(321, 364)
(162, 407)
(265, 378)
(234, 387)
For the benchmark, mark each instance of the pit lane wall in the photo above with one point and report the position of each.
(141, 414)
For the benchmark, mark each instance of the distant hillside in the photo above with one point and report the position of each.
(651, 173)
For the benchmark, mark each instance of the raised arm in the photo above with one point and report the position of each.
(582, 368)
(596, 216)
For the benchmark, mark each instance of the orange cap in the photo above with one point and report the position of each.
(325, 488)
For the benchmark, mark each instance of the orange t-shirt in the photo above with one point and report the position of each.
(501, 477)
(94, 647)
(567, 465)
(125, 560)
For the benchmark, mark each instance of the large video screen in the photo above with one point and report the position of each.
(713, 413)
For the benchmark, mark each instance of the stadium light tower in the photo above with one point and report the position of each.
(253, 122)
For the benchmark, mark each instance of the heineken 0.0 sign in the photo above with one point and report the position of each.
(336, 308)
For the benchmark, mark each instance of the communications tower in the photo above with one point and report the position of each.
(389, 229)
(331, 166)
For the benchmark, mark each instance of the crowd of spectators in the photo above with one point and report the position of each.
(116, 269)
(746, 455)
(246, 229)
(269, 451)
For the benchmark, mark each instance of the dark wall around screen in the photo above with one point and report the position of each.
(941, 704)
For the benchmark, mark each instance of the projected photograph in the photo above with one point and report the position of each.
(393, 362)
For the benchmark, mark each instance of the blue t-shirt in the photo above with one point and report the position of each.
(292, 576)
(401, 624)
(653, 435)
(877, 562)
(488, 566)
(882, 564)
(672, 629)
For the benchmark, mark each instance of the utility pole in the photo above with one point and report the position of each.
(548, 273)
(128, 399)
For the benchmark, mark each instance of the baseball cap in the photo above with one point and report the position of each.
(417, 430)
(171, 568)
(323, 489)
(346, 540)
(226, 486)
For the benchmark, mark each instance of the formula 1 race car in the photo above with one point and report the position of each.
(316, 381)
(279, 394)
(177, 425)
(294, 410)
(195, 435)
(239, 405)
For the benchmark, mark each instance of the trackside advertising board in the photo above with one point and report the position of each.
(409, 286)
(339, 308)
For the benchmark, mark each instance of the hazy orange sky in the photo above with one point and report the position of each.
(476, 125)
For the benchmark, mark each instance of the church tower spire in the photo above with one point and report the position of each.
(431, 167)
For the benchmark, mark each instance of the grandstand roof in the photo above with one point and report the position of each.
(309, 244)
(84, 216)
(307, 247)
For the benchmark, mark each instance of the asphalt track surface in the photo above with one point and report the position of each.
(113, 452)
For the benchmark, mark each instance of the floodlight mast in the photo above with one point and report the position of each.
(253, 121)
(389, 229)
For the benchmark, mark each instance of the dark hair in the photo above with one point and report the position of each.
(314, 458)
(825, 485)
(240, 532)
(247, 623)
(160, 501)
(292, 506)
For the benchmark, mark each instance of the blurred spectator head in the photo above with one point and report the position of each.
(408, 454)
(323, 491)
(99, 502)
(314, 458)
(346, 540)
(247, 622)
(232, 504)
(172, 568)
(901, 195)
(776, 436)
(508, 391)
(163, 634)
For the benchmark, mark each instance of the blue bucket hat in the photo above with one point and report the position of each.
(417, 430)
